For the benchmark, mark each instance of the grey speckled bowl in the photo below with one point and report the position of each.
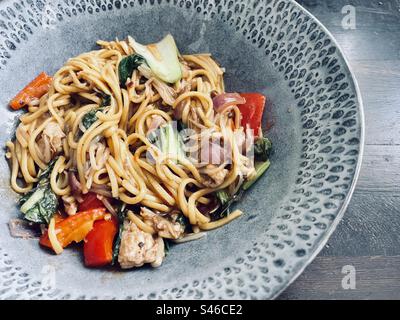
(270, 46)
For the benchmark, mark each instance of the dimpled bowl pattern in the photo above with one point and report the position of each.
(271, 46)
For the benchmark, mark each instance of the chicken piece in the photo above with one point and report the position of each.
(165, 228)
(138, 248)
(55, 135)
(50, 142)
(160, 253)
(216, 179)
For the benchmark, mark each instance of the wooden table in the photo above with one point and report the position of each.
(368, 237)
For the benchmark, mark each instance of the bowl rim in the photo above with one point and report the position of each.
(346, 201)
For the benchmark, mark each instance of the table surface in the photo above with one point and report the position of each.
(368, 238)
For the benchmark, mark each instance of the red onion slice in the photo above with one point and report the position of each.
(74, 184)
(225, 100)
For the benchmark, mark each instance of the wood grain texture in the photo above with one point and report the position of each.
(376, 277)
(381, 170)
(368, 237)
(370, 227)
(379, 82)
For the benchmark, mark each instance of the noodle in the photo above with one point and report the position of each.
(58, 249)
(220, 223)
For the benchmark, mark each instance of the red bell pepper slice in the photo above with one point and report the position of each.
(34, 90)
(252, 111)
(90, 201)
(98, 246)
(74, 228)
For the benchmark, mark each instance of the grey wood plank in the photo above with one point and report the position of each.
(380, 171)
(371, 223)
(368, 44)
(370, 226)
(377, 277)
(379, 82)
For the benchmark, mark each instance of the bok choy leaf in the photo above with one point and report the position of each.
(162, 58)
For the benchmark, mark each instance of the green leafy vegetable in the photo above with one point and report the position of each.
(224, 210)
(122, 212)
(223, 197)
(26, 197)
(262, 149)
(43, 209)
(169, 141)
(162, 58)
(127, 66)
(261, 168)
(106, 101)
(91, 117)
(40, 204)
(184, 221)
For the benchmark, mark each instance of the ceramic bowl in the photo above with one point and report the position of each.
(274, 47)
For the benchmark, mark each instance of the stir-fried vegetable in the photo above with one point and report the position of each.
(98, 246)
(184, 221)
(127, 66)
(252, 111)
(169, 141)
(162, 58)
(261, 168)
(122, 212)
(226, 100)
(34, 90)
(262, 149)
(90, 201)
(224, 210)
(91, 117)
(223, 197)
(74, 228)
(40, 204)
